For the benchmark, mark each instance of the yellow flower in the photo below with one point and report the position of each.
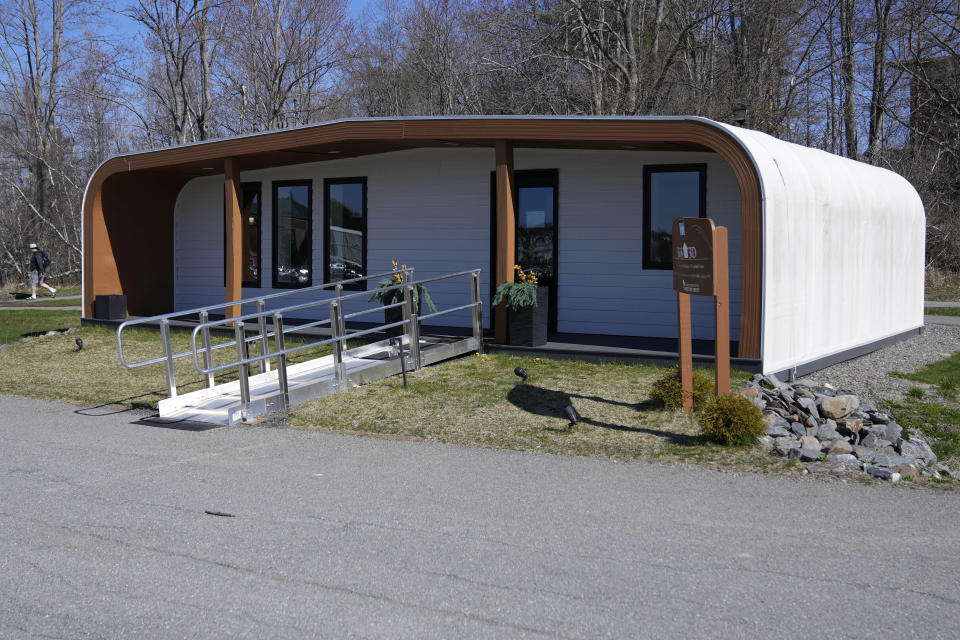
(403, 266)
(394, 264)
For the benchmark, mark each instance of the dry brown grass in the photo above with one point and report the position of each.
(479, 401)
(942, 285)
(53, 368)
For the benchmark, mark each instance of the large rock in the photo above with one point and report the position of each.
(839, 447)
(871, 441)
(844, 457)
(882, 460)
(883, 473)
(798, 429)
(828, 431)
(893, 431)
(809, 442)
(916, 448)
(839, 406)
(810, 406)
(749, 392)
(849, 426)
(905, 470)
(835, 468)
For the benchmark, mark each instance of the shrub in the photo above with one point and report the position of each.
(733, 420)
(669, 389)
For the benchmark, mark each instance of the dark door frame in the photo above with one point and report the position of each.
(528, 178)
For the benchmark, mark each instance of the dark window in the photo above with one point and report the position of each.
(292, 232)
(345, 230)
(249, 234)
(669, 192)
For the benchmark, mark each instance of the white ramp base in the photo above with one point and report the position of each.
(222, 404)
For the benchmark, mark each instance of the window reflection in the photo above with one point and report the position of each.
(292, 247)
(672, 192)
(345, 231)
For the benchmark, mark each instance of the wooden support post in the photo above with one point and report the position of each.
(506, 250)
(686, 350)
(234, 232)
(721, 288)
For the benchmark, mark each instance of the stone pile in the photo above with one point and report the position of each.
(833, 432)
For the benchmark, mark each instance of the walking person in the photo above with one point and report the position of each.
(38, 269)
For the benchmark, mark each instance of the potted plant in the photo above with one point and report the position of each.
(388, 296)
(527, 307)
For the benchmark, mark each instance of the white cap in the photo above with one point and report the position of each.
(33, 245)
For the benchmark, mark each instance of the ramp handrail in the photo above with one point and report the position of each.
(338, 339)
(169, 356)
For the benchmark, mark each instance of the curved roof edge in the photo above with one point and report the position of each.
(611, 132)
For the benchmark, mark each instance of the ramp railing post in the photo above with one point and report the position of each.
(477, 310)
(207, 350)
(262, 327)
(336, 329)
(243, 369)
(413, 327)
(168, 356)
(280, 342)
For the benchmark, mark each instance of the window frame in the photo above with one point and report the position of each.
(528, 179)
(327, 183)
(246, 284)
(648, 171)
(274, 217)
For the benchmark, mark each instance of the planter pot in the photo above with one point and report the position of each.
(395, 314)
(527, 327)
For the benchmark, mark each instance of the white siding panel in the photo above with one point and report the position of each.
(843, 252)
(430, 209)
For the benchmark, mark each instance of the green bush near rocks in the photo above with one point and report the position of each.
(732, 420)
(669, 389)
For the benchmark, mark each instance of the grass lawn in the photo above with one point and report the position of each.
(15, 325)
(942, 311)
(40, 302)
(939, 421)
(94, 376)
(479, 401)
(944, 374)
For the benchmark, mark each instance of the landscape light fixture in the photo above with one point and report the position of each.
(521, 373)
(79, 342)
(572, 416)
(740, 114)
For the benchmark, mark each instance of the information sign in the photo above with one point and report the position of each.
(693, 256)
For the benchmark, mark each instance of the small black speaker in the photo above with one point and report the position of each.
(113, 307)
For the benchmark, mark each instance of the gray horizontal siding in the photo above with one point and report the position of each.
(430, 209)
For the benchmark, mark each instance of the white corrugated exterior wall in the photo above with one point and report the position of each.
(430, 209)
(843, 252)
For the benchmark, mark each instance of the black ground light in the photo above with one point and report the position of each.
(572, 415)
(79, 342)
(521, 373)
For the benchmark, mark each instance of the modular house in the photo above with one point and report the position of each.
(826, 254)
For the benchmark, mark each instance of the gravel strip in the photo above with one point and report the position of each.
(867, 376)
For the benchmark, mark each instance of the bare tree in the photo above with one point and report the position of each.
(41, 187)
(279, 69)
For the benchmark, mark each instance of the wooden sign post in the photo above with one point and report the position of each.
(700, 268)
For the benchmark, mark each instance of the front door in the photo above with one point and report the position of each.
(536, 244)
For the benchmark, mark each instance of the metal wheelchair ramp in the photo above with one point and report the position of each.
(278, 385)
(223, 403)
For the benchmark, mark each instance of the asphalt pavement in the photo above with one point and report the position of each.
(109, 528)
